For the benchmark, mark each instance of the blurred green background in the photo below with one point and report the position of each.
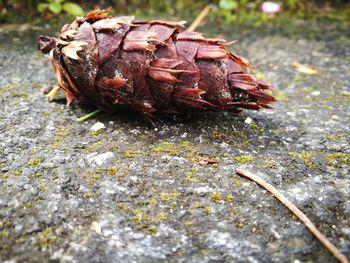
(240, 11)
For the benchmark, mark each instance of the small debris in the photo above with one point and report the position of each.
(102, 159)
(248, 120)
(335, 117)
(206, 161)
(316, 93)
(275, 234)
(306, 69)
(97, 227)
(97, 127)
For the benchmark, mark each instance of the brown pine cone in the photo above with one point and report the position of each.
(148, 67)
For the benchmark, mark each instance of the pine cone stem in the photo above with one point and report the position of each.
(52, 94)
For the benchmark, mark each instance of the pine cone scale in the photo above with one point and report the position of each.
(161, 32)
(213, 80)
(108, 42)
(138, 64)
(167, 51)
(83, 71)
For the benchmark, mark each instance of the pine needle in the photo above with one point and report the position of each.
(88, 116)
(199, 18)
(303, 218)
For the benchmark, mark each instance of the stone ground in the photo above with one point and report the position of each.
(132, 193)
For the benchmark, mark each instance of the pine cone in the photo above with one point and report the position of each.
(148, 67)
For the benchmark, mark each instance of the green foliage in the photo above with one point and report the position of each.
(73, 9)
(234, 4)
(223, 11)
(57, 6)
(228, 4)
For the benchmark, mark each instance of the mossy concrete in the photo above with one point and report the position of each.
(148, 198)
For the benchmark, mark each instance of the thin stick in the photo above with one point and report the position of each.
(199, 18)
(88, 116)
(303, 218)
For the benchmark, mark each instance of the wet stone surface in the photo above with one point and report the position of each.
(133, 193)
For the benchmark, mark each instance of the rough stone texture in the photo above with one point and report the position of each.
(138, 194)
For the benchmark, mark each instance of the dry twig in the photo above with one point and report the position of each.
(199, 19)
(303, 218)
